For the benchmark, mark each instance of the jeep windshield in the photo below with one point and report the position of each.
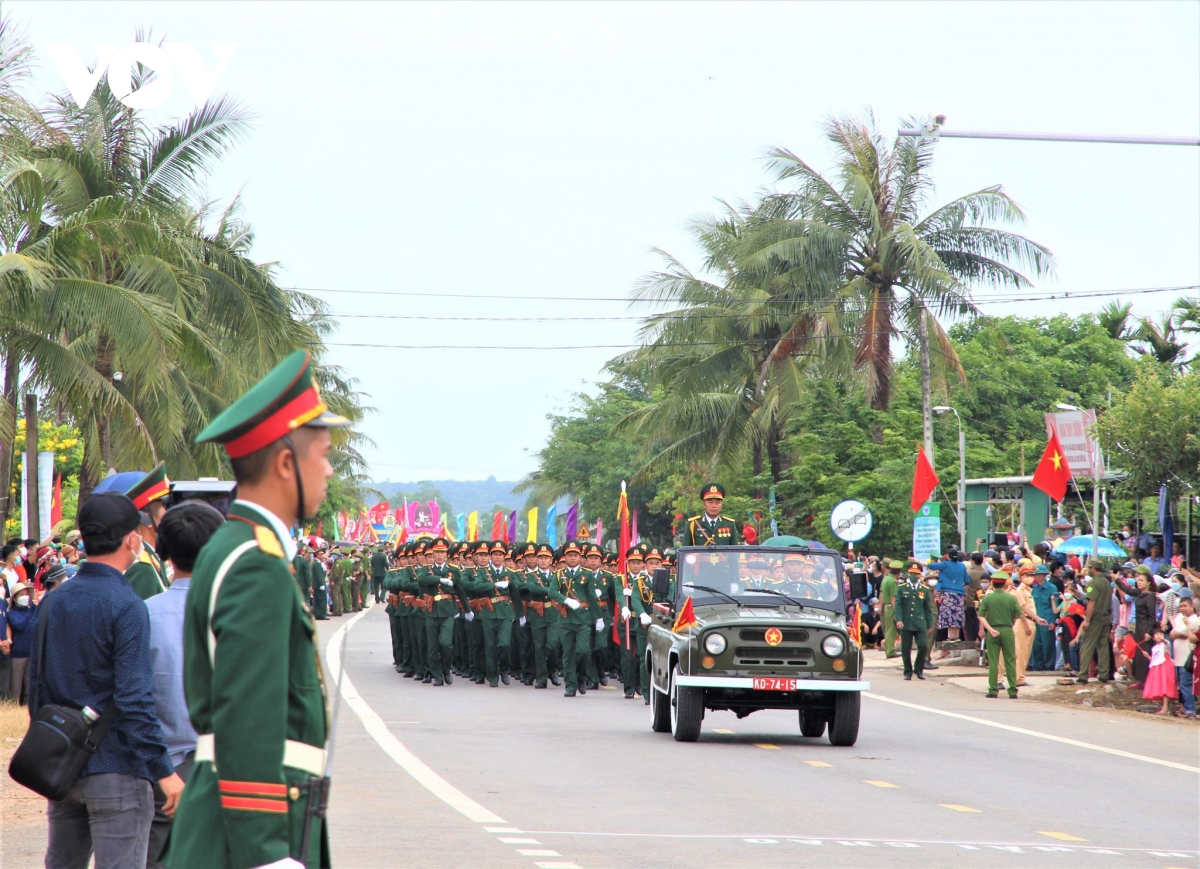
(749, 575)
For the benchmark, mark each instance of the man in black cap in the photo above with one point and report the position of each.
(711, 528)
(99, 631)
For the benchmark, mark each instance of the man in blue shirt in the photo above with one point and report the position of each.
(1045, 602)
(98, 644)
(182, 532)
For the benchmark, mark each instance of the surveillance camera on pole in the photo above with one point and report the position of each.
(931, 131)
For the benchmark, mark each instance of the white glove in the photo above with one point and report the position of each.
(447, 581)
(522, 621)
(572, 603)
(644, 618)
(599, 593)
(625, 613)
(458, 615)
(285, 863)
(628, 591)
(502, 584)
(471, 616)
(599, 624)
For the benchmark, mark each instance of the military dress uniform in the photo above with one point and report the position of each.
(914, 615)
(496, 585)
(440, 589)
(887, 599)
(705, 531)
(336, 579)
(543, 620)
(148, 575)
(571, 590)
(252, 675)
(640, 598)
(320, 591)
(379, 569)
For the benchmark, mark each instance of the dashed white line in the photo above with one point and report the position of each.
(537, 852)
(512, 841)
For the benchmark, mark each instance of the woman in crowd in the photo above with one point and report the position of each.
(951, 586)
(1070, 616)
(872, 624)
(1145, 610)
(19, 633)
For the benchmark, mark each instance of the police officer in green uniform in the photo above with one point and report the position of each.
(711, 528)
(542, 617)
(300, 567)
(252, 675)
(1096, 629)
(998, 612)
(148, 575)
(914, 615)
(887, 598)
(317, 582)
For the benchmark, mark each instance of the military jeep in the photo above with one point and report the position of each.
(770, 633)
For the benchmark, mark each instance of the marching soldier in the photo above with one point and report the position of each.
(711, 528)
(388, 588)
(572, 591)
(440, 589)
(914, 615)
(605, 590)
(498, 585)
(542, 617)
(251, 669)
(148, 575)
(638, 592)
(526, 561)
(410, 593)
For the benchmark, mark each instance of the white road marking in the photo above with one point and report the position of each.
(1050, 736)
(519, 841)
(502, 830)
(392, 747)
(556, 866)
(537, 852)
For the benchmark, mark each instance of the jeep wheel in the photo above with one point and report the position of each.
(660, 710)
(687, 710)
(812, 724)
(843, 728)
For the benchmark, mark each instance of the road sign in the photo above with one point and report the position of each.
(927, 530)
(851, 521)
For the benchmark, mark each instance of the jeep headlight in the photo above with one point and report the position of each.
(714, 644)
(832, 645)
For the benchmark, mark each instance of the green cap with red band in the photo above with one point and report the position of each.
(150, 488)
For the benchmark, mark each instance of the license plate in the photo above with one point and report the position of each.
(773, 684)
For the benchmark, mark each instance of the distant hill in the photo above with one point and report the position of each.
(459, 496)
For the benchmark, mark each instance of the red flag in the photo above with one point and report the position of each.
(320, 524)
(925, 480)
(1053, 473)
(623, 539)
(686, 617)
(56, 502)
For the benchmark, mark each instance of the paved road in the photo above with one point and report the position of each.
(467, 775)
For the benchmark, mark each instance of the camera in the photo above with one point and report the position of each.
(218, 493)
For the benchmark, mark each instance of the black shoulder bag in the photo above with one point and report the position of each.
(60, 740)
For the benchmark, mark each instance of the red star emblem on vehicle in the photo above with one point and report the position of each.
(773, 636)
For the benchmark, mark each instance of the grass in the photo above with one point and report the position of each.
(14, 721)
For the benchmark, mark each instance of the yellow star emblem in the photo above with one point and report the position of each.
(1057, 459)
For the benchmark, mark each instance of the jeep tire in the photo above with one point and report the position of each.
(660, 710)
(843, 727)
(812, 724)
(687, 709)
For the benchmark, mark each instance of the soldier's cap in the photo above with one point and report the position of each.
(498, 546)
(544, 549)
(669, 557)
(592, 549)
(1143, 570)
(795, 557)
(895, 565)
(151, 487)
(1001, 576)
(654, 552)
(283, 401)
(634, 553)
(439, 544)
(420, 546)
(106, 518)
(712, 490)
(571, 546)
(484, 546)
(528, 549)
(915, 568)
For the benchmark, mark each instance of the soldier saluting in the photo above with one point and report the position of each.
(251, 671)
(711, 528)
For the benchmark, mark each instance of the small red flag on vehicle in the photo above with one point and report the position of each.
(686, 617)
(925, 480)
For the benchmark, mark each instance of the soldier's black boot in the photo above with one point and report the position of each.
(437, 683)
(428, 678)
(449, 679)
(568, 693)
(504, 678)
(554, 680)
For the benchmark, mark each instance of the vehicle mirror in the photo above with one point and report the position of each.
(858, 585)
(662, 583)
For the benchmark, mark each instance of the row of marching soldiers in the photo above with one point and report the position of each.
(490, 612)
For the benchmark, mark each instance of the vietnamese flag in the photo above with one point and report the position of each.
(498, 526)
(686, 617)
(925, 480)
(1053, 473)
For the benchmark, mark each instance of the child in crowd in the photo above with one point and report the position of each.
(1160, 681)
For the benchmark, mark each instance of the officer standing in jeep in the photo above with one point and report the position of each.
(711, 528)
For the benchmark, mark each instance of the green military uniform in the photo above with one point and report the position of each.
(1001, 611)
(337, 579)
(440, 589)
(496, 587)
(522, 632)
(320, 590)
(355, 584)
(570, 590)
(252, 675)
(638, 591)
(147, 575)
(410, 594)
(303, 576)
(703, 530)
(543, 618)
(379, 569)
(606, 598)
(887, 598)
(1095, 639)
(914, 615)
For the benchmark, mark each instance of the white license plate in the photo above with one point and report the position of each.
(773, 684)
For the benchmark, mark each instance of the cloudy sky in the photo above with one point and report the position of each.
(454, 160)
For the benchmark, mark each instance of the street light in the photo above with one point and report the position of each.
(933, 130)
(962, 478)
(1062, 406)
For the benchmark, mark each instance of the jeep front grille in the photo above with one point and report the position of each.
(779, 655)
(757, 635)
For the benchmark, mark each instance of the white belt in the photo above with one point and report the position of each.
(297, 755)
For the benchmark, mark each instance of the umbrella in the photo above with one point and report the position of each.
(788, 540)
(118, 482)
(1082, 545)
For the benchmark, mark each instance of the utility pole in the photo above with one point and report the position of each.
(34, 514)
(926, 385)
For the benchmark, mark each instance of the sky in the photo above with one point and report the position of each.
(409, 158)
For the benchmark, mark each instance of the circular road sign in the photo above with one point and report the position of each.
(851, 521)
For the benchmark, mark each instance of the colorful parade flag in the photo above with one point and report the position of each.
(573, 521)
(510, 533)
(531, 533)
(634, 537)
(552, 526)
(925, 480)
(473, 526)
(599, 532)
(461, 521)
(623, 543)
(498, 526)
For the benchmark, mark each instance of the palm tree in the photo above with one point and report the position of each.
(1160, 340)
(862, 246)
(1114, 318)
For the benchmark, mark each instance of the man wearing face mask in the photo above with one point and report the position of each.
(99, 633)
(251, 669)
